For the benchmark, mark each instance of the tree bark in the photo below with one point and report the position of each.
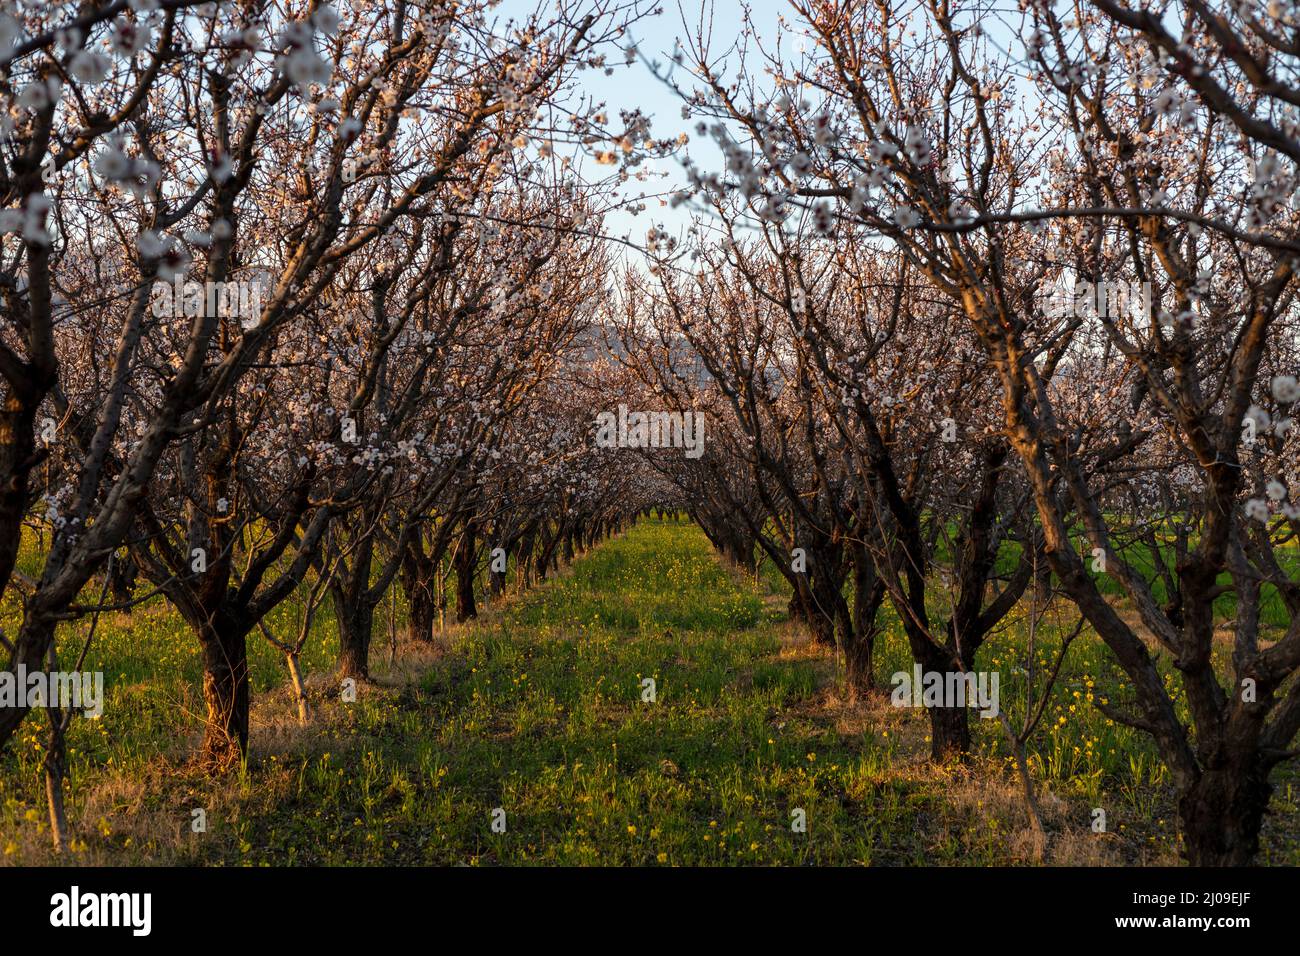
(497, 579)
(122, 576)
(949, 734)
(859, 666)
(859, 646)
(463, 562)
(225, 691)
(421, 606)
(524, 560)
(17, 454)
(356, 620)
(56, 771)
(1222, 813)
(299, 688)
(949, 726)
(826, 607)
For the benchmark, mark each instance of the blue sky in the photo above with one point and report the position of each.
(634, 86)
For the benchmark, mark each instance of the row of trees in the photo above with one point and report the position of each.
(402, 331)
(292, 297)
(869, 305)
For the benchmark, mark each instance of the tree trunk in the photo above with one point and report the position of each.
(299, 689)
(225, 691)
(497, 579)
(949, 726)
(420, 582)
(422, 611)
(356, 620)
(541, 555)
(56, 771)
(524, 562)
(822, 627)
(35, 637)
(121, 577)
(859, 666)
(794, 609)
(859, 649)
(825, 605)
(1222, 813)
(553, 553)
(949, 734)
(737, 548)
(464, 567)
(17, 453)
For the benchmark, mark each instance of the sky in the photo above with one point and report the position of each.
(635, 86)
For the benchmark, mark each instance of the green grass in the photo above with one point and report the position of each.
(538, 710)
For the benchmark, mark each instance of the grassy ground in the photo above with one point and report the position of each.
(539, 712)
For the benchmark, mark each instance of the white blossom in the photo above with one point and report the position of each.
(1285, 388)
(1257, 510)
